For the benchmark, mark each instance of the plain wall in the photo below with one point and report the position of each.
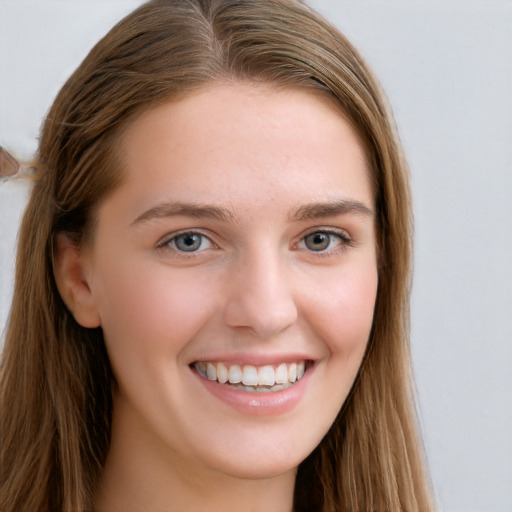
(447, 69)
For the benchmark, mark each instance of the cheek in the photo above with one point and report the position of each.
(342, 313)
(341, 316)
(151, 310)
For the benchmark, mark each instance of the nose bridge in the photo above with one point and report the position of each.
(261, 296)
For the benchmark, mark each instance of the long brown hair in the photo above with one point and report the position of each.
(56, 378)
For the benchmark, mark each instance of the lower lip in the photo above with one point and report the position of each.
(256, 402)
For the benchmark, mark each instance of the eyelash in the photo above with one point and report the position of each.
(341, 235)
(170, 242)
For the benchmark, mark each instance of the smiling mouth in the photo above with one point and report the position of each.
(248, 377)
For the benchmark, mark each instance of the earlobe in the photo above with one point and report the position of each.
(72, 283)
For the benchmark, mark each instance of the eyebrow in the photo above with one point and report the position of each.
(203, 211)
(194, 210)
(331, 208)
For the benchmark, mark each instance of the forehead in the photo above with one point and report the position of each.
(245, 139)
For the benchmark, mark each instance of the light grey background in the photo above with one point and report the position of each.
(447, 69)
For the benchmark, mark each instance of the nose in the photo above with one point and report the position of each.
(260, 296)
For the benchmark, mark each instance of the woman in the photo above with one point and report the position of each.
(211, 299)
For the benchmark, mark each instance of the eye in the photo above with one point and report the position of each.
(189, 242)
(321, 241)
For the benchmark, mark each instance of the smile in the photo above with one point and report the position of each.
(248, 377)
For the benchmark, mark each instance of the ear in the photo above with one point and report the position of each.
(70, 276)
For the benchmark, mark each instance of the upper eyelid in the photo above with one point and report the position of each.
(171, 236)
(344, 233)
(345, 242)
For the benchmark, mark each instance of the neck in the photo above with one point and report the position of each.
(141, 474)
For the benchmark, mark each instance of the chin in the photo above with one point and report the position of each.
(258, 458)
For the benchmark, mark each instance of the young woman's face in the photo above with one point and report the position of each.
(240, 247)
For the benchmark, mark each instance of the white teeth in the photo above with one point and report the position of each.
(235, 374)
(211, 371)
(252, 378)
(281, 375)
(250, 375)
(292, 372)
(266, 376)
(301, 368)
(222, 373)
(201, 368)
